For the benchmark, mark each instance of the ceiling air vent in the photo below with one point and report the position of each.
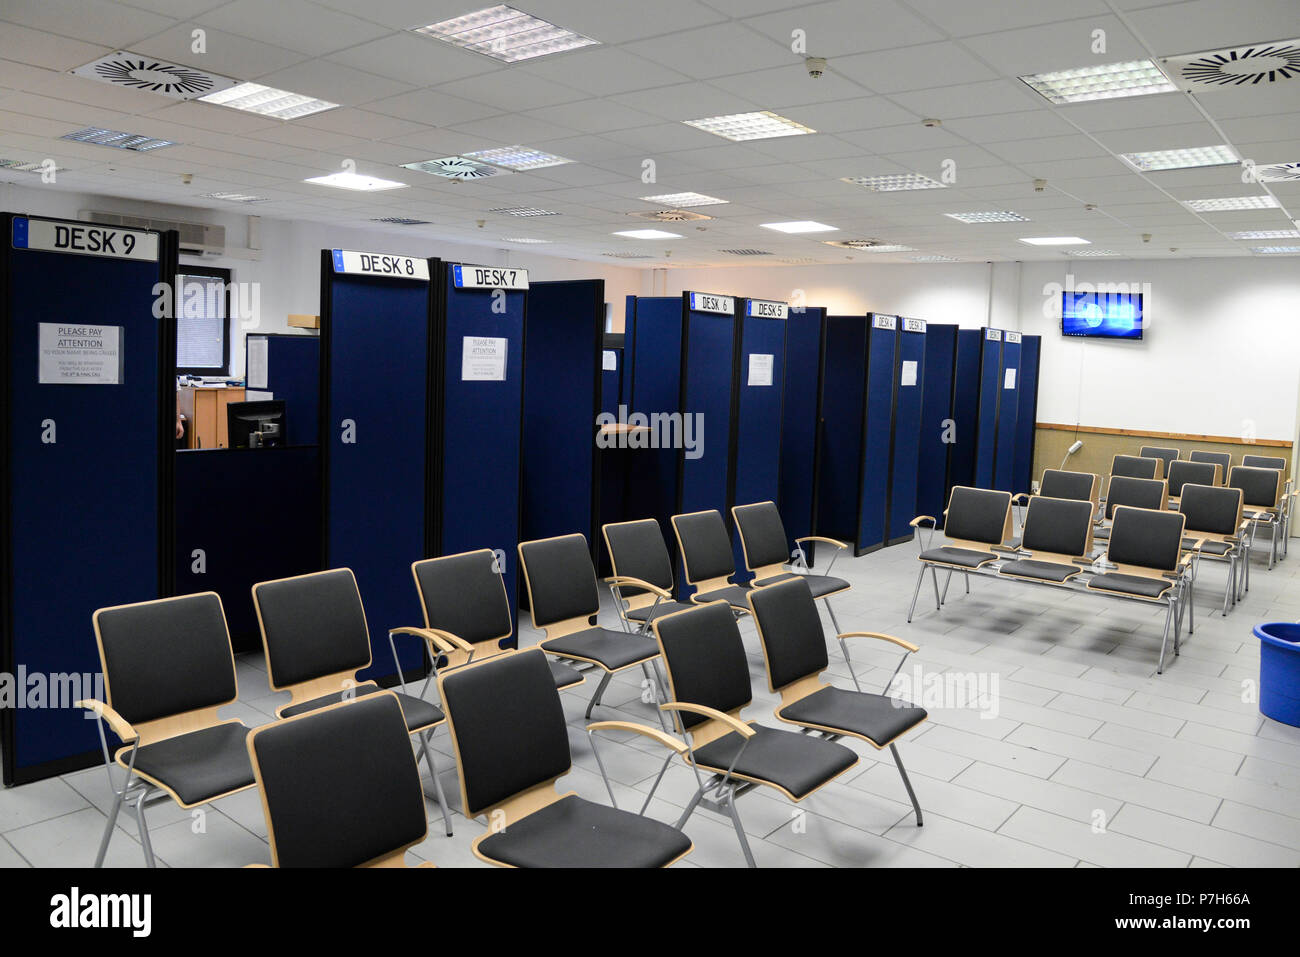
(27, 166)
(1257, 64)
(745, 252)
(197, 239)
(457, 167)
(670, 216)
(401, 221)
(155, 76)
(1278, 173)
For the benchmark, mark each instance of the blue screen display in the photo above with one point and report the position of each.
(1106, 315)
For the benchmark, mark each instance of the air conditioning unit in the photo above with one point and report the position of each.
(197, 239)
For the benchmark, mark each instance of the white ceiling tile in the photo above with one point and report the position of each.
(334, 82)
(1056, 46)
(1000, 127)
(841, 27)
(93, 21)
(602, 69)
(914, 68)
(1157, 110)
(509, 92)
(969, 19)
(622, 22)
(46, 49)
(414, 59)
(432, 108)
(720, 50)
(227, 54)
(294, 24)
(1214, 24)
(970, 99)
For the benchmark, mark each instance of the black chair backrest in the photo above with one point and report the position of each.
(340, 785)
(977, 515)
(1166, 455)
(1138, 492)
(312, 626)
(464, 594)
(1259, 487)
(706, 547)
(762, 534)
(791, 631)
(561, 579)
(1197, 473)
(705, 658)
(166, 657)
(1135, 466)
(1146, 538)
(508, 725)
(637, 550)
(1263, 461)
(1222, 459)
(1058, 525)
(1058, 483)
(1211, 508)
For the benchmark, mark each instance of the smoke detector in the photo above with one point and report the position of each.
(1258, 64)
(670, 216)
(138, 72)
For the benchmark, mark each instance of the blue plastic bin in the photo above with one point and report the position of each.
(1279, 671)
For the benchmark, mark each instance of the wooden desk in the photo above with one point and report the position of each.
(204, 408)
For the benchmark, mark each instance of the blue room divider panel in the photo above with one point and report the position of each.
(877, 431)
(293, 374)
(800, 416)
(86, 436)
(560, 490)
(986, 433)
(965, 411)
(936, 411)
(652, 383)
(1004, 468)
(759, 385)
(612, 461)
(375, 373)
(842, 398)
(1027, 413)
(909, 394)
(708, 369)
(480, 334)
(611, 373)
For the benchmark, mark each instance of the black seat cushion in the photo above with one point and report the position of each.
(419, 713)
(1040, 571)
(794, 762)
(1209, 548)
(574, 832)
(819, 585)
(611, 650)
(650, 612)
(962, 557)
(877, 718)
(735, 595)
(201, 765)
(1129, 585)
(565, 677)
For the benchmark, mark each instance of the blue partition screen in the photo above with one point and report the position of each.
(877, 432)
(1027, 414)
(1004, 468)
(652, 346)
(937, 425)
(909, 396)
(843, 391)
(707, 369)
(293, 375)
(611, 380)
(965, 410)
(990, 391)
(799, 422)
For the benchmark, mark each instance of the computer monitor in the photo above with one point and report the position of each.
(255, 425)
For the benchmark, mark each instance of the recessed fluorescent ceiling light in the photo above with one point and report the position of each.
(1226, 203)
(628, 255)
(888, 248)
(457, 167)
(522, 239)
(892, 182)
(1267, 234)
(1054, 241)
(350, 180)
(745, 252)
(1275, 250)
(934, 259)
(25, 166)
(522, 211)
(505, 34)
(401, 221)
(677, 200)
(235, 197)
(648, 234)
(122, 141)
(1180, 159)
(750, 126)
(800, 226)
(989, 216)
(1093, 252)
(268, 101)
(1106, 82)
(518, 157)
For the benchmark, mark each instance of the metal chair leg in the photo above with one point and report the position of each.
(740, 831)
(690, 808)
(600, 690)
(946, 582)
(1160, 665)
(915, 592)
(437, 783)
(934, 578)
(108, 828)
(902, 772)
(145, 843)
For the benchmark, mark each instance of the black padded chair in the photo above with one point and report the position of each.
(767, 550)
(340, 786)
(977, 520)
(1080, 486)
(642, 583)
(1146, 552)
(1222, 459)
(1057, 541)
(1276, 462)
(168, 667)
(464, 601)
(1135, 466)
(564, 599)
(1137, 492)
(709, 560)
(316, 639)
(1214, 518)
(1262, 493)
(1263, 462)
(1166, 455)
(794, 650)
(708, 674)
(1185, 472)
(512, 744)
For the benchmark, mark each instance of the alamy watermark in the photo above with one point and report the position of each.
(658, 430)
(37, 690)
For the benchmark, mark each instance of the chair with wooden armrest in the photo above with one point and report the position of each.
(1185, 472)
(1263, 494)
(1080, 486)
(1214, 517)
(512, 745)
(1057, 539)
(340, 786)
(1137, 492)
(464, 601)
(767, 550)
(1137, 466)
(1166, 455)
(1145, 553)
(708, 560)
(642, 583)
(708, 678)
(1222, 459)
(564, 599)
(168, 667)
(794, 651)
(976, 521)
(316, 639)
(1279, 463)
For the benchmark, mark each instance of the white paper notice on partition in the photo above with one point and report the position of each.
(909, 373)
(78, 354)
(1010, 382)
(483, 359)
(609, 360)
(760, 368)
(255, 374)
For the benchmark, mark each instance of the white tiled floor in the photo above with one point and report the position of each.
(1092, 758)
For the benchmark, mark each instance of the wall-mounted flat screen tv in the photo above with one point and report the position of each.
(1102, 315)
